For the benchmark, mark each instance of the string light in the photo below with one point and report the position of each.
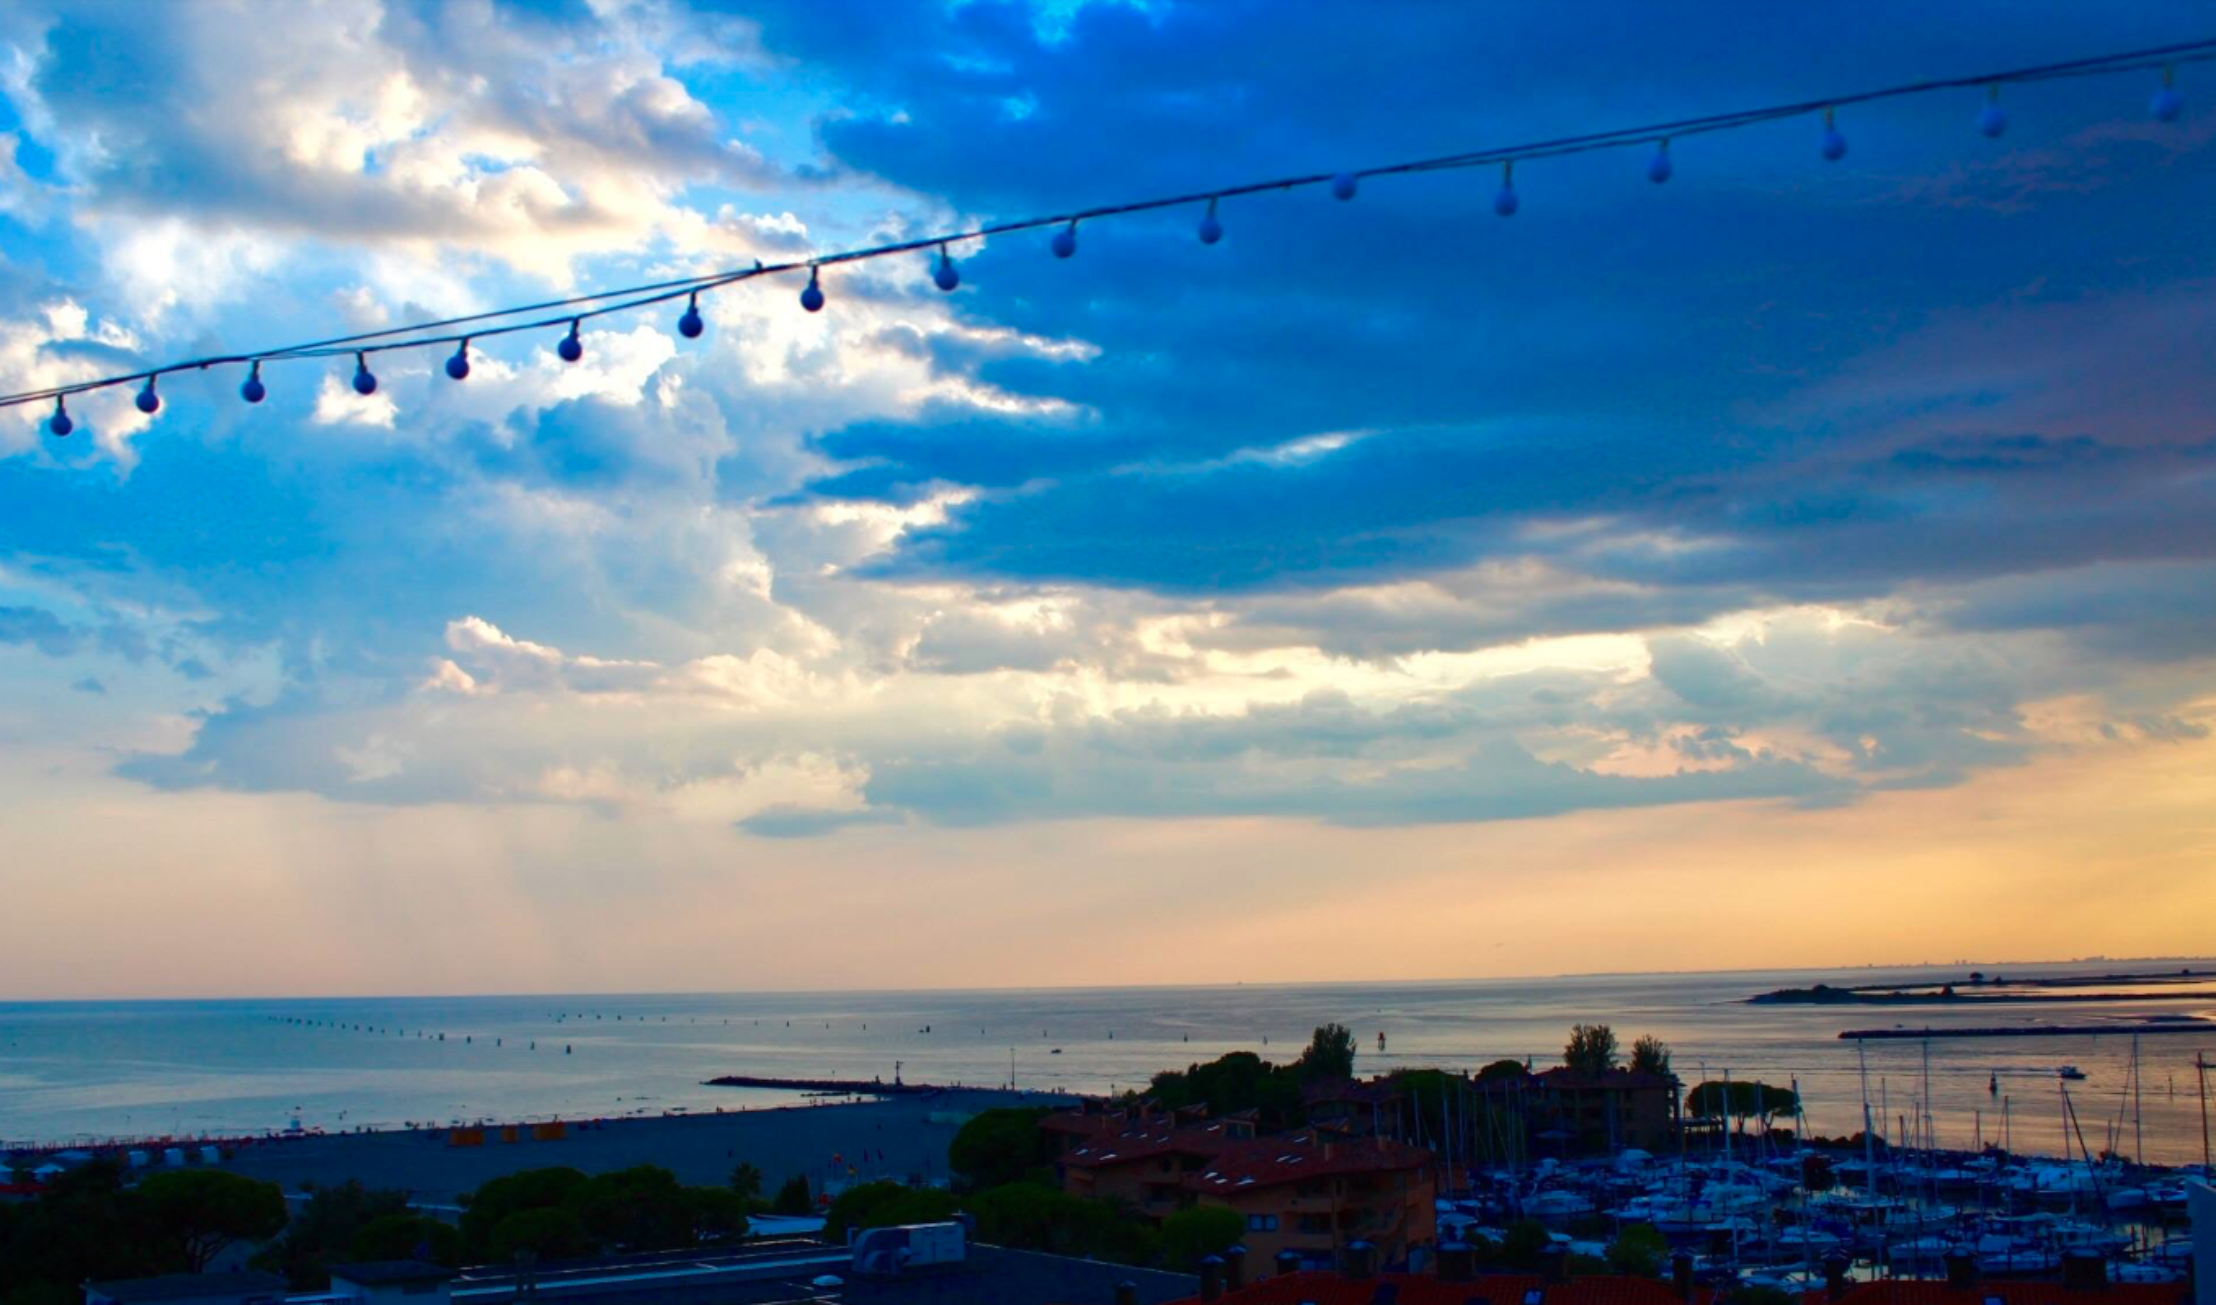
(2166, 106)
(60, 423)
(1993, 120)
(2168, 102)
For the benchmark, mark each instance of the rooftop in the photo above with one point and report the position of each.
(1298, 1157)
(373, 1272)
(1324, 1287)
(188, 1286)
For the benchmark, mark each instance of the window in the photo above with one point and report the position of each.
(1261, 1223)
(1315, 1223)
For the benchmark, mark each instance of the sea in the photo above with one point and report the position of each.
(92, 1071)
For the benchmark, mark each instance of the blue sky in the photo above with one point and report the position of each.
(1787, 498)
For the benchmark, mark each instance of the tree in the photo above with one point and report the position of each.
(1591, 1050)
(642, 1208)
(203, 1212)
(324, 1231)
(746, 1181)
(1650, 1055)
(999, 1146)
(1639, 1251)
(549, 1232)
(494, 1203)
(1330, 1054)
(882, 1205)
(407, 1237)
(1203, 1230)
(1033, 1216)
(793, 1198)
(1744, 1101)
(84, 1226)
(1501, 1071)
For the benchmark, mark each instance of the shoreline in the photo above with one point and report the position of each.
(903, 1136)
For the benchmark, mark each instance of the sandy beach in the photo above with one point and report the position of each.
(899, 1137)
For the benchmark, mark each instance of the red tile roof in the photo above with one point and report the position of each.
(1323, 1287)
(1136, 1141)
(1297, 1157)
(2009, 1291)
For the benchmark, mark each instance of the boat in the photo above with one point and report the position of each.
(2070, 1072)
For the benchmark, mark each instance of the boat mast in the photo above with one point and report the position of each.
(2200, 1071)
(2138, 1137)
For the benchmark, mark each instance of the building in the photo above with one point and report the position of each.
(1316, 1287)
(392, 1282)
(1138, 1157)
(190, 1289)
(1314, 1193)
(1593, 1114)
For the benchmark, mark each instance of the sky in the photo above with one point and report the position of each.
(1798, 563)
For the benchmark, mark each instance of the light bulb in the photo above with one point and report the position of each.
(1505, 202)
(458, 365)
(1065, 240)
(1343, 185)
(252, 390)
(365, 382)
(2168, 103)
(1834, 145)
(571, 348)
(1993, 120)
(690, 326)
(812, 297)
(148, 402)
(1211, 230)
(1659, 167)
(60, 423)
(946, 276)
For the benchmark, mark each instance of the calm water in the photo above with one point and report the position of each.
(103, 1069)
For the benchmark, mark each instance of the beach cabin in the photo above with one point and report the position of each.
(190, 1289)
(393, 1282)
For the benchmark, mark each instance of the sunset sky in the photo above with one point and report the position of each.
(1799, 563)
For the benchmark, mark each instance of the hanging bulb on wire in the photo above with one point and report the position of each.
(946, 276)
(1994, 119)
(690, 326)
(812, 297)
(1505, 202)
(1065, 240)
(1344, 185)
(572, 347)
(1659, 167)
(458, 365)
(1211, 230)
(2168, 103)
(1834, 145)
(60, 423)
(365, 381)
(148, 402)
(252, 390)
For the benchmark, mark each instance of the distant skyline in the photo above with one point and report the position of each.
(1796, 565)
